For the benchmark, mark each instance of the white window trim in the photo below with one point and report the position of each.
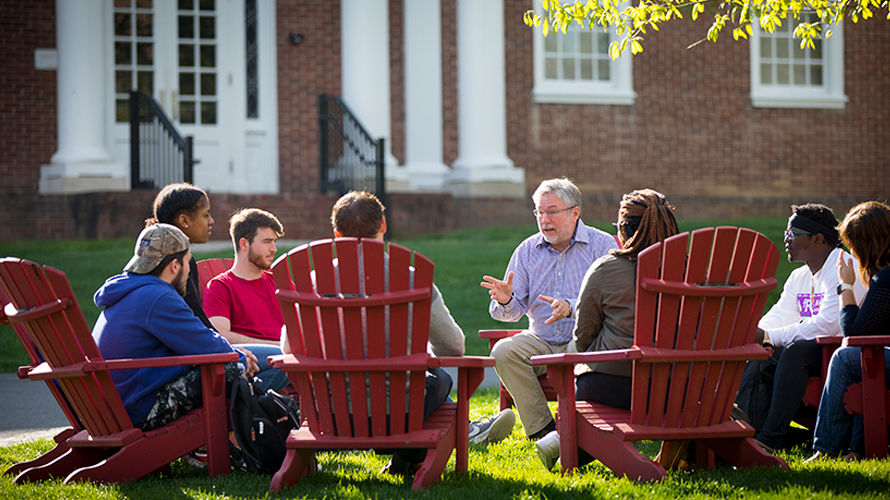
(830, 96)
(618, 91)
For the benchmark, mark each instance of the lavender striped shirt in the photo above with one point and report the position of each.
(540, 270)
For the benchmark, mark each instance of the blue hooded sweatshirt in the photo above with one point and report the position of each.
(145, 317)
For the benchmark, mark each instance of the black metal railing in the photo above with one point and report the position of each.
(159, 155)
(349, 157)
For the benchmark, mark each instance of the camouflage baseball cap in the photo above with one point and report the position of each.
(154, 243)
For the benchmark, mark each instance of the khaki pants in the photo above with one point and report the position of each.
(513, 364)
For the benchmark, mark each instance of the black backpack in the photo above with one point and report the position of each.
(261, 423)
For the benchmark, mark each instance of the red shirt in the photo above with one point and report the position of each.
(250, 306)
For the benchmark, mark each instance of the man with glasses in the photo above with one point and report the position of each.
(542, 282)
(772, 389)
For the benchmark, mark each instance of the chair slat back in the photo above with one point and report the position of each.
(354, 300)
(210, 268)
(698, 300)
(62, 336)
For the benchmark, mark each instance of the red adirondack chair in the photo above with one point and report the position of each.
(209, 268)
(343, 309)
(108, 448)
(36, 358)
(506, 400)
(696, 317)
(871, 398)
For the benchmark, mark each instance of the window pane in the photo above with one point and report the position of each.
(604, 70)
(782, 74)
(208, 113)
(187, 83)
(766, 74)
(550, 43)
(143, 25)
(186, 4)
(782, 47)
(569, 43)
(550, 68)
(208, 84)
(146, 82)
(816, 52)
(602, 43)
(186, 112)
(766, 47)
(816, 75)
(186, 27)
(800, 74)
(798, 52)
(208, 56)
(143, 4)
(186, 55)
(122, 24)
(585, 42)
(568, 69)
(123, 82)
(207, 5)
(586, 69)
(144, 54)
(122, 53)
(122, 110)
(208, 27)
(124, 4)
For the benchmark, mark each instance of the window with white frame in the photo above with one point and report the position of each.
(785, 76)
(575, 67)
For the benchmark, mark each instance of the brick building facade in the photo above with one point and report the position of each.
(691, 132)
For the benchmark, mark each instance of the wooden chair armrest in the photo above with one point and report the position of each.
(832, 340)
(44, 371)
(497, 334)
(586, 357)
(292, 363)
(461, 361)
(875, 340)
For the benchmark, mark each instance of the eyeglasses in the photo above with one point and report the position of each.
(617, 225)
(550, 213)
(790, 234)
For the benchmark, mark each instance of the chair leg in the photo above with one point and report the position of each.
(743, 452)
(61, 466)
(297, 463)
(435, 462)
(59, 450)
(623, 459)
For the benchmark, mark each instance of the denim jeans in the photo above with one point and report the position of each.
(835, 429)
(272, 378)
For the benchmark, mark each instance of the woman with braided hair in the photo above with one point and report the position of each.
(605, 311)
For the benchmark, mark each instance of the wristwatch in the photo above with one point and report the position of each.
(843, 286)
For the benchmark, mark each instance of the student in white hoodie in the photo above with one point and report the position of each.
(808, 308)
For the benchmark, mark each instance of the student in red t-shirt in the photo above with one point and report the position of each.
(241, 302)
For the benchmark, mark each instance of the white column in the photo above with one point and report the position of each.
(364, 32)
(423, 95)
(82, 163)
(482, 167)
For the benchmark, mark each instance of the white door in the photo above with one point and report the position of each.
(192, 57)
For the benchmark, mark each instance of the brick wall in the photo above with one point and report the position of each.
(691, 134)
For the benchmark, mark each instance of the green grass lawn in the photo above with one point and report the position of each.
(509, 469)
(461, 257)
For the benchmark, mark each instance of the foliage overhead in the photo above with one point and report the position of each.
(631, 21)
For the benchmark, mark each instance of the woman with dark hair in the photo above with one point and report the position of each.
(605, 314)
(188, 208)
(866, 232)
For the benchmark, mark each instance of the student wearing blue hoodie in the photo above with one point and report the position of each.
(145, 316)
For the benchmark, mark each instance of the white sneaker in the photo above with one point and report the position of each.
(492, 429)
(548, 449)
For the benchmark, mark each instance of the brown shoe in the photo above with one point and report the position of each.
(673, 455)
(765, 447)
